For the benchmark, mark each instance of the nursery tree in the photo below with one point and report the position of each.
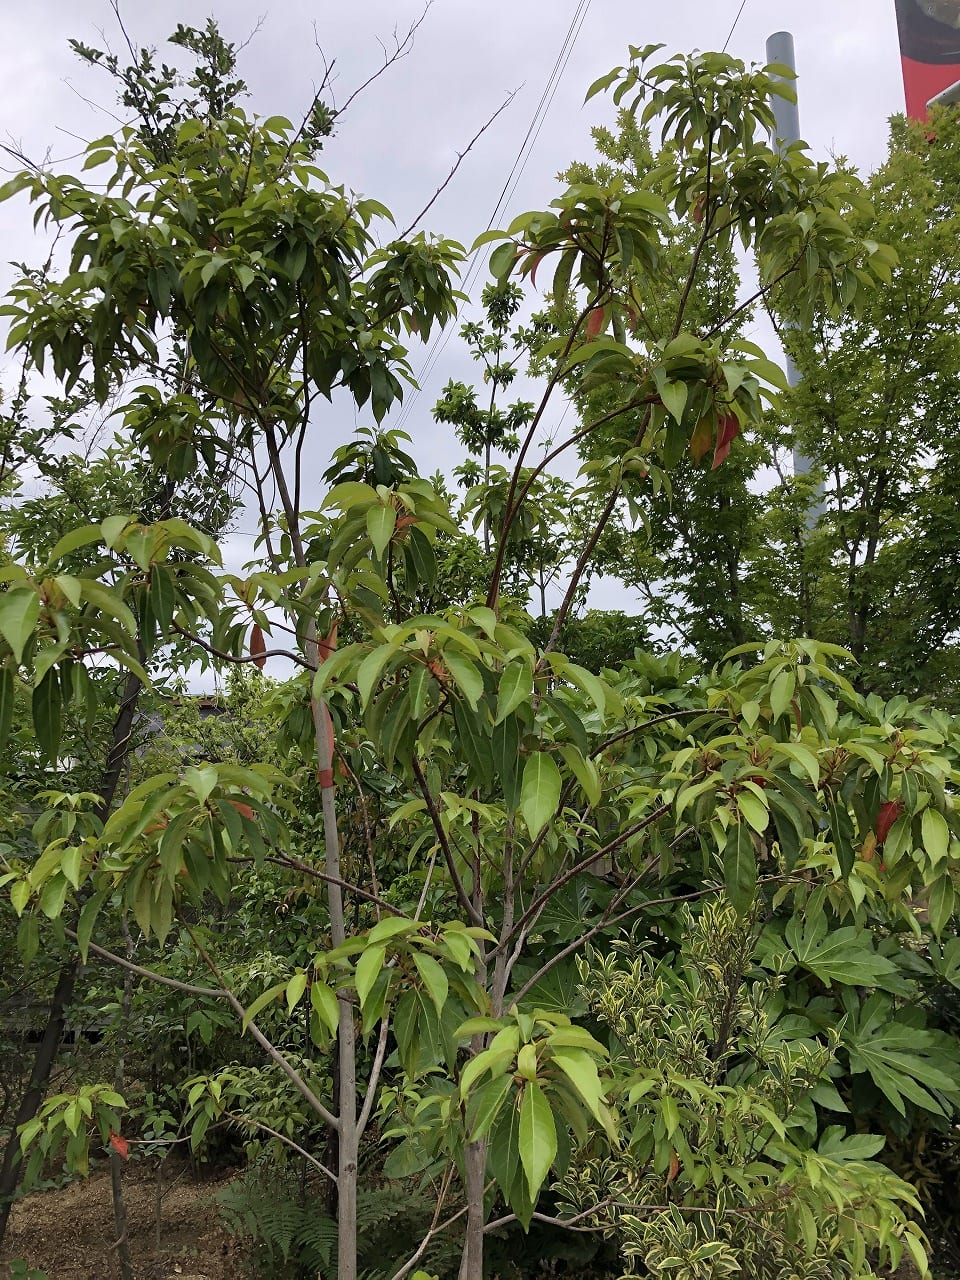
(514, 773)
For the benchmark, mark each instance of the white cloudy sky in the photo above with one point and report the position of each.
(400, 138)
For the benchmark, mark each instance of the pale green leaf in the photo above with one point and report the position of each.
(539, 792)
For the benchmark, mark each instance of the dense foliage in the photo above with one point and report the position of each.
(477, 924)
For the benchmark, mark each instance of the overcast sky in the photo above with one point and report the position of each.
(399, 139)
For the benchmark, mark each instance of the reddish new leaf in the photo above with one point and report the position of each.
(257, 647)
(728, 428)
(120, 1145)
(533, 270)
(890, 811)
(595, 322)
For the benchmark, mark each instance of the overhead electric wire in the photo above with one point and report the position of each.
(509, 187)
(743, 5)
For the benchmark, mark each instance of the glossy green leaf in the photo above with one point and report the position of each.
(516, 688)
(381, 522)
(368, 970)
(740, 867)
(325, 1005)
(19, 613)
(936, 835)
(539, 792)
(537, 1137)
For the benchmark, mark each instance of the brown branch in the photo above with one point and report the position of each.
(270, 1049)
(462, 896)
(187, 987)
(241, 661)
(234, 1118)
(539, 903)
(649, 724)
(403, 48)
(459, 160)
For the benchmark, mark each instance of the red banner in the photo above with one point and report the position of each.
(929, 50)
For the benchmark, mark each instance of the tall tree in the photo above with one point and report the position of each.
(513, 773)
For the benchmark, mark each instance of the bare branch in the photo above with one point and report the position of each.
(459, 160)
(374, 1078)
(462, 895)
(270, 1049)
(186, 987)
(235, 1118)
(402, 49)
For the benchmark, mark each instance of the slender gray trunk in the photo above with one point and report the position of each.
(475, 1162)
(345, 1101)
(116, 1160)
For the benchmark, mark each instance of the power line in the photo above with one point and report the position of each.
(743, 5)
(509, 187)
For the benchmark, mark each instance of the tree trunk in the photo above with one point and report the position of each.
(43, 1063)
(46, 1055)
(475, 1161)
(116, 1159)
(345, 1096)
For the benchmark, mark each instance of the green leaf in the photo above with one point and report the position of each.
(516, 688)
(19, 612)
(368, 970)
(537, 1137)
(781, 693)
(434, 979)
(581, 1070)
(467, 677)
(47, 703)
(539, 792)
(754, 810)
(904, 1061)
(674, 397)
(20, 895)
(371, 669)
(484, 1105)
(502, 260)
(505, 748)
(740, 867)
(942, 902)
(325, 1006)
(844, 955)
(381, 522)
(936, 835)
(585, 772)
(8, 698)
(295, 989)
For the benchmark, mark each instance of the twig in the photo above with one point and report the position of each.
(459, 160)
(294, 1146)
(187, 987)
(403, 47)
(241, 661)
(272, 1052)
(374, 1078)
(462, 895)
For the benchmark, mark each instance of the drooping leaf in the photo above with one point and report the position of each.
(537, 1137)
(19, 612)
(740, 867)
(540, 791)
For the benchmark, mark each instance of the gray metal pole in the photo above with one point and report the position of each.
(787, 117)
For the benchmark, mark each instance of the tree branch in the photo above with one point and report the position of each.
(459, 160)
(272, 1052)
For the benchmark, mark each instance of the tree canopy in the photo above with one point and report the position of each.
(516, 936)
